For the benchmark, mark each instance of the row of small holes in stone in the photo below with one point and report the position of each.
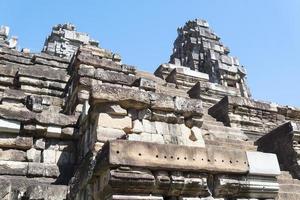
(185, 158)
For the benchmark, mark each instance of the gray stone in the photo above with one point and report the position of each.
(49, 156)
(105, 134)
(47, 192)
(12, 155)
(13, 168)
(33, 155)
(257, 164)
(9, 126)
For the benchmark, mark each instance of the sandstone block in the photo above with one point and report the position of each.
(111, 109)
(175, 129)
(33, 155)
(157, 138)
(148, 126)
(162, 128)
(5, 189)
(9, 126)
(128, 97)
(49, 156)
(146, 84)
(144, 114)
(68, 131)
(257, 164)
(188, 107)
(117, 122)
(18, 142)
(105, 134)
(137, 126)
(196, 138)
(13, 168)
(47, 191)
(53, 131)
(162, 102)
(146, 137)
(12, 155)
(134, 137)
(36, 169)
(51, 170)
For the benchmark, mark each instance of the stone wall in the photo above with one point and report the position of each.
(77, 123)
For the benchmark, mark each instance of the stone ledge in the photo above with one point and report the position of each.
(184, 158)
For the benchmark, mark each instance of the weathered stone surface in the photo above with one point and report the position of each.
(125, 96)
(162, 102)
(17, 142)
(40, 144)
(5, 189)
(159, 156)
(110, 108)
(47, 192)
(188, 107)
(13, 168)
(128, 134)
(239, 187)
(49, 156)
(117, 122)
(33, 155)
(12, 155)
(146, 84)
(105, 134)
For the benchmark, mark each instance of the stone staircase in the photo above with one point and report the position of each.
(289, 187)
(217, 134)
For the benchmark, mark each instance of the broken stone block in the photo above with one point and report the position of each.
(137, 126)
(144, 114)
(162, 102)
(111, 109)
(188, 107)
(194, 138)
(9, 126)
(117, 122)
(105, 134)
(127, 97)
(33, 155)
(146, 84)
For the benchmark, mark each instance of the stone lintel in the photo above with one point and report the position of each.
(183, 158)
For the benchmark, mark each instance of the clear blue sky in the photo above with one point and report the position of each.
(264, 34)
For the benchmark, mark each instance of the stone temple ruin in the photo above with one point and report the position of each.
(77, 123)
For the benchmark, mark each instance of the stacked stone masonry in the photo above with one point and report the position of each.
(77, 123)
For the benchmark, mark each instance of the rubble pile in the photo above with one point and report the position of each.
(77, 123)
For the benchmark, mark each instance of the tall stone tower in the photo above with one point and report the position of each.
(64, 41)
(197, 47)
